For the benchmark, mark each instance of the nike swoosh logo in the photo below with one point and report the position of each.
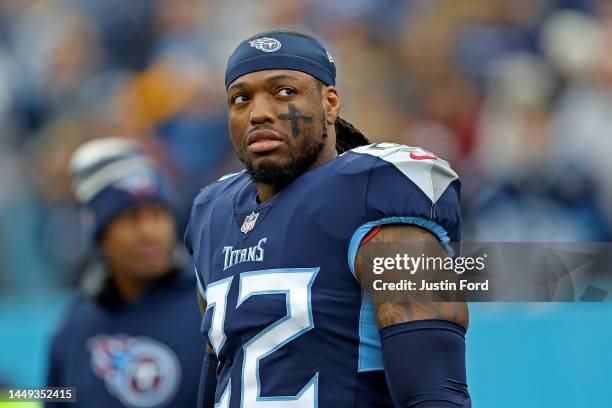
(415, 157)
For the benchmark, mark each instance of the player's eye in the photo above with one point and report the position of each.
(239, 99)
(286, 91)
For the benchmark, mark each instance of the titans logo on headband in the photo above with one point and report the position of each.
(300, 53)
(266, 44)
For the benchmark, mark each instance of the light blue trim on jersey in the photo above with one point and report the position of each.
(370, 355)
(362, 231)
(200, 286)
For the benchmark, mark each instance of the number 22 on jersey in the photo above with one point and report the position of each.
(296, 285)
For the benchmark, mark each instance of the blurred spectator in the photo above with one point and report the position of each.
(132, 340)
(39, 229)
(585, 106)
(58, 49)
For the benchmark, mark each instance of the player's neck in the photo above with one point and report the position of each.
(267, 191)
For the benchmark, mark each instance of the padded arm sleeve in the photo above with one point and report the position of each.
(424, 364)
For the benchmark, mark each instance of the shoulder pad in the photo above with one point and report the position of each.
(430, 173)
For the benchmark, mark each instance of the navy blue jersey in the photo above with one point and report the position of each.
(285, 314)
(143, 354)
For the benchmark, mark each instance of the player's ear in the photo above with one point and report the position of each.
(332, 104)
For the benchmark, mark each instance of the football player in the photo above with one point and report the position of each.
(279, 249)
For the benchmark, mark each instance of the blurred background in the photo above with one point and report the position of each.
(516, 94)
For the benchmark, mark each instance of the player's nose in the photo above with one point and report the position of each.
(261, 111)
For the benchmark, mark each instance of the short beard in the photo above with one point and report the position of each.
(280, 175)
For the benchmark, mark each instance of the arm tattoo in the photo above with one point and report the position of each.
(390, 313)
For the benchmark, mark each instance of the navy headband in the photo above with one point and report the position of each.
(275, 50)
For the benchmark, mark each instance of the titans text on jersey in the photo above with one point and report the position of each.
(285, 314)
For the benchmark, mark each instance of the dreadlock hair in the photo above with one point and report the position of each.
(347, 136)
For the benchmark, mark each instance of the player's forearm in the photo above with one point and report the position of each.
(424, 363)
(423, 346)
(423, 343)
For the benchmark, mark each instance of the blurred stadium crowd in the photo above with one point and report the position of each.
(517, 95)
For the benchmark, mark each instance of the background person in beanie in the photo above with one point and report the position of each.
(134, 342)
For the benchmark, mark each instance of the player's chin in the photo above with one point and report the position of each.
(271, 162)
(277, 157)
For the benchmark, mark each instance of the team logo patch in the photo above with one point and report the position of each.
(266, 44)
(140, 184)
(139, 371)
(249, 222)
